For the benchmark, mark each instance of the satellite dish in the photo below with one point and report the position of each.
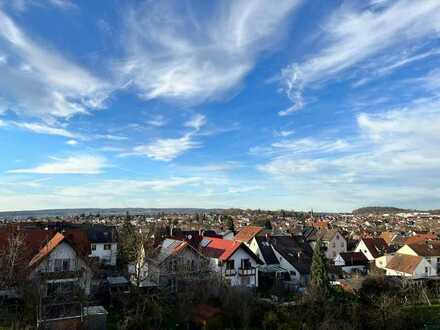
(189, 236)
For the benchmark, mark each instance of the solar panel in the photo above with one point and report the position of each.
(205, 242)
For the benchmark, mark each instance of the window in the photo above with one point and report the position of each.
(93, 247)
(292, 272)
(334, 244)
(107, 246)
(246, 264)
(342, 245)
(438, 259)
(230, 264)
(66, 265)
(337, 236)
(426, 270)
(58, 265)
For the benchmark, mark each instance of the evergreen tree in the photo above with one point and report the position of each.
(320, 279)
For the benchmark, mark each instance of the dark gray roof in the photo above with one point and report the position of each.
(295, 250)
(101, 234)
(266, 250)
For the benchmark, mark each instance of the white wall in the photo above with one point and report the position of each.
(406, 249)
(337, 245)
(108, 257)
(361, 247)
(419, 272)
(293, 272)
(65, 251)
(237, 280)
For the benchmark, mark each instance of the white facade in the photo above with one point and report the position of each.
(63, 265)
(295, 275)
(335, 246)
(236, 276)
(106, 252)
(362, 247)
(433, 260)
(381, 262)
(423, 270)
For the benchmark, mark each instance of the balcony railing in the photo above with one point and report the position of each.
(248, 271)
(230, 272)
(60, 275)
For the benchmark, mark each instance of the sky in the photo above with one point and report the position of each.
(327, 105)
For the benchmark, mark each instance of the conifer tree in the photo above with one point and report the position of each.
(320, 279)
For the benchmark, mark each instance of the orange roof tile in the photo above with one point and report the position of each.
(404, 263)
(47, 249)
(247, 233)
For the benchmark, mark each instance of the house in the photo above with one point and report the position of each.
(411, 266)
(294, 254)
(420, 238)
(103, 244)
(246, 234)
(351, 261)
(372, 248)
(173, 263)
(62, 276)
(232, 260)
(332, 240)
(430, 250)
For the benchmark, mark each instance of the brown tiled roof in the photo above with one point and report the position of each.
(404, 263)
(419, 238)
(426, 249)
(376, 246)
(388, 236)
(246, 234)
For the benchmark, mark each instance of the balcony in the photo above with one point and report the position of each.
(230, 272)
(60, 275)
(247, 271)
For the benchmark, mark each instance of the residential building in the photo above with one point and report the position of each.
(332, 240)
(232, 260)
(351, 262)
(430, 250)
(372, 248)
(103, 244)
(404, 265)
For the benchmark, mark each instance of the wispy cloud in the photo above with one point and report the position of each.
(176, 54)
(41, 128)
(51, 86)
(166, 149)
(352, 35)
(157, 121)
(82, 164)
(196, 122)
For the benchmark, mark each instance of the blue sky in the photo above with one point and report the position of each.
(329, 105)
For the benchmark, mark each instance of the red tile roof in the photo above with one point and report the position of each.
(420, 238)
(246, 234)
(220, 248)
(376, 246)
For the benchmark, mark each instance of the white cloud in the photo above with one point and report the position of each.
(196, 122)
(178, 54)
(393, 158)
(351, 36)
(54, 87)
(72, 142)
(40, 128)
(285, 133)
(157, 121)
(166, 149)
(82, 164)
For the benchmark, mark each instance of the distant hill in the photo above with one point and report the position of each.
(389, 210)
(380, 210)
(94, 211)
